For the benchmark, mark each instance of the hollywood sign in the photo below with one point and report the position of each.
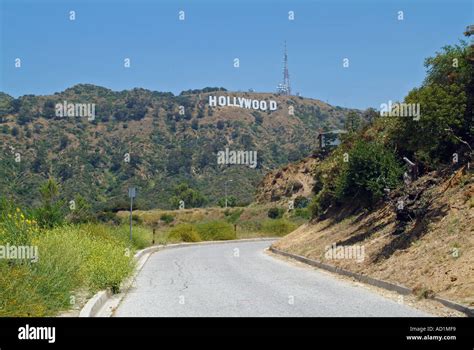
(242, 102)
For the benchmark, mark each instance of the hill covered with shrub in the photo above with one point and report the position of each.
(402, 189)
(155, 141)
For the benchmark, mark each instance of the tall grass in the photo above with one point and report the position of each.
(71, 258)
(216, 230)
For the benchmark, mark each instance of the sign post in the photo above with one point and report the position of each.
(132, 194)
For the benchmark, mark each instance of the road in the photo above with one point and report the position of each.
(241, 279)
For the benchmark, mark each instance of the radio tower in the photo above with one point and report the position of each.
(284, 88)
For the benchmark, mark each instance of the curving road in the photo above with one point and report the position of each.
(241, 279)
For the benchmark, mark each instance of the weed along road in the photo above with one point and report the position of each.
(241, 279)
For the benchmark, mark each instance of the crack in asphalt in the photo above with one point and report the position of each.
(181, 275)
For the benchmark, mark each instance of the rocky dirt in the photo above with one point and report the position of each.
(287, 183)
(427, 246)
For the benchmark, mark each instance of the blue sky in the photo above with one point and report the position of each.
(385, 55)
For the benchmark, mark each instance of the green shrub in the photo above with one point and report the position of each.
(302, 213)
(192, 198)
(278, 227)
(136, 219)
(321, 201)
(233, 216)
(51, 212)
(167, 218)
(107, 264)
(370, 169)
(71, 259)
(445, 98)
(301, 202)
(216, 230)
(184, 233)
(108, 217)
(275, 213)
(82, 211)
(231, 202)
(16, 226)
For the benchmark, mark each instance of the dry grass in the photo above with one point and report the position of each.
(252, 221)
(424, 262)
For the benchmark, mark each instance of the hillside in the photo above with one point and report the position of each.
(170, 139)
(287, 183)
(434, 255)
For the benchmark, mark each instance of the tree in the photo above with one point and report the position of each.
(370, 169)
(442, 118)
(15, 131)
(63, 142)
(301, 202)
(50, 213)
(446, 101)
(353, 122)
(24, 115)
(191, 198)
(81, 210)
(231, 201)
(49, 109)
(275, 213)
(258, 117)
(370, 114)
(15, 105)
(220, 125)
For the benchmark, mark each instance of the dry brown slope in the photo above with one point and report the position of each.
(289, 182)
(423, 257)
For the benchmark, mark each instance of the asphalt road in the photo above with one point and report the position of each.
(241, 279)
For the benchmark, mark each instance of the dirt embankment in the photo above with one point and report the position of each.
(427, 246)
(289, 182)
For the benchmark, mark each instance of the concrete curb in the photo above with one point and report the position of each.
(97, 302)
(372, 281)
(93, 306)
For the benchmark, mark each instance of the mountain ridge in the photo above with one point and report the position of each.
(169, 139)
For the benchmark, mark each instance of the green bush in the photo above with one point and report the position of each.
(82, 211)
(191, 198)
(278, 227)
(371, 168)
(231, 202)
(136, 219)
(234, 215)
(302, 213)
(71, 259)
(51, 212)
(445, 124)
(275, 213)
(301, 202)
(16, 226)
(184, 233)
(216, 230)
(107, 264)
(108, 217)
(141, 236)
(167, 218)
